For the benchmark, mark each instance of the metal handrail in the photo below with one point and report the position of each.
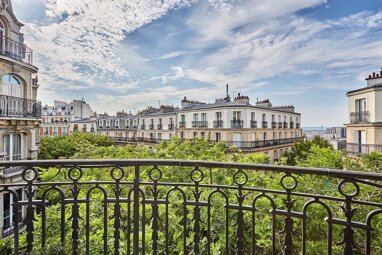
(152, 184)
(11, 106)
(15, 50)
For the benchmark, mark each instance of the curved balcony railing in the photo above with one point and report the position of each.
(19, 107)
(15, 50)
(194, 207)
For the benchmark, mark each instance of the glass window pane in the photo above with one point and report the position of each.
(7, 210)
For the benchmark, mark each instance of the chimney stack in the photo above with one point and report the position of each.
(374, 79)
(227, 91)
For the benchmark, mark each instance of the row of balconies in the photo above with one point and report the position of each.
(159, 126)
(216, 124)
(240, 124)
(118, 127)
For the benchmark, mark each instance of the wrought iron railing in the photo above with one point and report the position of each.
(264, 124)
(237, 124)
(182, 124)
(200, 124)
(15, 50)
(274, 124)
(253, 123)
(263, 143)
(359, 117)
(238, 144)
(218, 123)
(194, 207)
(19, 107)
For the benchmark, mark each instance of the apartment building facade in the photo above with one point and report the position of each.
(122, 126)
(88, 125)
(240, 124)
(57, 119)
(364, 128)
(260, 127)
(158, 125)
(20, 112)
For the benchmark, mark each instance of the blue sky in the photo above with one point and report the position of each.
(129, 54)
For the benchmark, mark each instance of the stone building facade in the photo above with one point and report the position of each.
(364, 128)
(58, 119)
(20, 112)
(259, 128)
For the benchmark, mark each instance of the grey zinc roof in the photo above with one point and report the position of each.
(365, 88)
(230, 104)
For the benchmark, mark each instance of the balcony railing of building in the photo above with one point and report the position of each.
(19, 107)
(151, 126)
(170, 126)
(280, 125)
(263, 143)
(264, 124)
(356, 148)
(159, 126)
(253, 124)
(218, 123)
(182, 124)
(285, 124)
(238, 144)
(143, 126)
(200, 124)
(359, 117)
(142, 207)
(274, 124)
(298, 125)
(291, 124)
(237, 124)
(15, 50)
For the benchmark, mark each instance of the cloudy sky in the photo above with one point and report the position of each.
(128, 54)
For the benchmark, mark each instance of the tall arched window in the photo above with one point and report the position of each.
(12, 86)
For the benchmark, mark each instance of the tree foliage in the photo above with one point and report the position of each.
(67, 146)
(301, 149)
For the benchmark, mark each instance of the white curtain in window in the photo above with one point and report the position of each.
(13, 146)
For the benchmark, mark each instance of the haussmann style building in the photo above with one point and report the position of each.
(259, 127)
(364, 129)
(20, 112)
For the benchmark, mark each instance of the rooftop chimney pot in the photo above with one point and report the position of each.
(373, 74)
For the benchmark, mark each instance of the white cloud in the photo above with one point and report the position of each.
(295, 46)
(175, 54)
(223, 16)
(82, 43)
